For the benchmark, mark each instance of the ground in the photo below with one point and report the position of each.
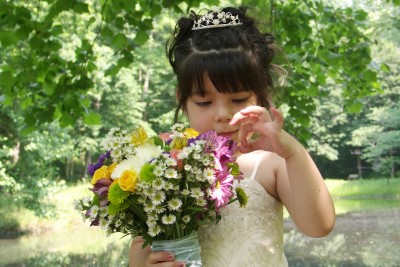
(369, 238)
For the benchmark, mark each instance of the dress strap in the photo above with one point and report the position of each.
(253, 174)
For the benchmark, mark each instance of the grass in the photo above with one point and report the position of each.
(364, 195)
(364, 188)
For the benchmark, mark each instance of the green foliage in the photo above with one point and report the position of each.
(71, 70)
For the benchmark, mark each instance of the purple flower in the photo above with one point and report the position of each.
(101, 189)
(93, 167)
(222, 147)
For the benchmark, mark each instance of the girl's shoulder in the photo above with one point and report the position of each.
(268, 166)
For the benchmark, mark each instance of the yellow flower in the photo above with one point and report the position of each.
(111, 168)
(100, 173)
(190, 133)
(128, 180)
(178, 143)
(139, 136)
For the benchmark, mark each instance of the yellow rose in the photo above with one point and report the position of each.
(139, 136)
(128, 180)
(100, 173)
(190, 133)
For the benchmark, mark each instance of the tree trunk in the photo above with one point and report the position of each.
(87, 162)
(145, 91)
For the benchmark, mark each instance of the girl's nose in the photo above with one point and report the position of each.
(223, 114)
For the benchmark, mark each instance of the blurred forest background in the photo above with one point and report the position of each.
(72, 70)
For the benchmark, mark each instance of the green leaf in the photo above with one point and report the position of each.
(354, 107)
(66, 120)
(120, 41)
(6, 81)
(112, 70)
(369, 75)
(92, 118)
(141, 37)
(49, 88)
(80, 7)
(385, 67)
(8, 38)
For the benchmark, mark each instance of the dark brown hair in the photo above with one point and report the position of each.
(236, 58)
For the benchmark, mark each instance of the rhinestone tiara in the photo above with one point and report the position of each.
(216, 19)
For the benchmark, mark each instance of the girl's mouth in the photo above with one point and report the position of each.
(228, 134)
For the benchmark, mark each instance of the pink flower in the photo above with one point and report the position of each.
(221, 191)
(174, 154)
(164, 136)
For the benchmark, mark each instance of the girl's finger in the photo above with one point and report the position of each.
(277, 117)
(245, 129)
(250, 112)
(160, 256)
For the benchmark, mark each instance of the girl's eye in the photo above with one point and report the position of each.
(240, 100)
(203, 104)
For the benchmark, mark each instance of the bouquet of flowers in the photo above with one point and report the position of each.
(162, 187)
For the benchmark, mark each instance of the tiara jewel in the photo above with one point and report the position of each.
(216, 19)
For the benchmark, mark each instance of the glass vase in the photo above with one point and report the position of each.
(186, 249)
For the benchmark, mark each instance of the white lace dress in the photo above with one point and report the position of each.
(246, 237)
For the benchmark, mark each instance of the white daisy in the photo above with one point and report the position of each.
(175, 204)
(170, 162)
(93, 211)
(168, 186)
(118, 223)
(158, 197)
(77, 205)
(183, 154)
(185, 192)
(103, 224)
(148, 206)
(171, 173)
(196, 192)
(209, 174)
(86, 201)
(116, 153)
(186, 219)
(187, 167)
(158, 184)
(159, 209)
(168, 219)
(151, 222)
(154, 230)
(159, 170)
(148, 191)
(207, 161)
(201, 177)
(103, 212)
(201, 202)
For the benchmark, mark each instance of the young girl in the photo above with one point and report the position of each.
(225, 82)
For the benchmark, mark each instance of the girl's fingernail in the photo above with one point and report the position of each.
(182, 264)
(171, 256)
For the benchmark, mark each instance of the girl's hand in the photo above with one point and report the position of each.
(141, 257)
(271, 136)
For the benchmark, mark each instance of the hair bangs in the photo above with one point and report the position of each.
(230, 71)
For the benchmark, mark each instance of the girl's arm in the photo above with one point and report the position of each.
(302, 189)
(299, 183)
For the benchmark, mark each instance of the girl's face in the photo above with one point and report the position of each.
(214, 110)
